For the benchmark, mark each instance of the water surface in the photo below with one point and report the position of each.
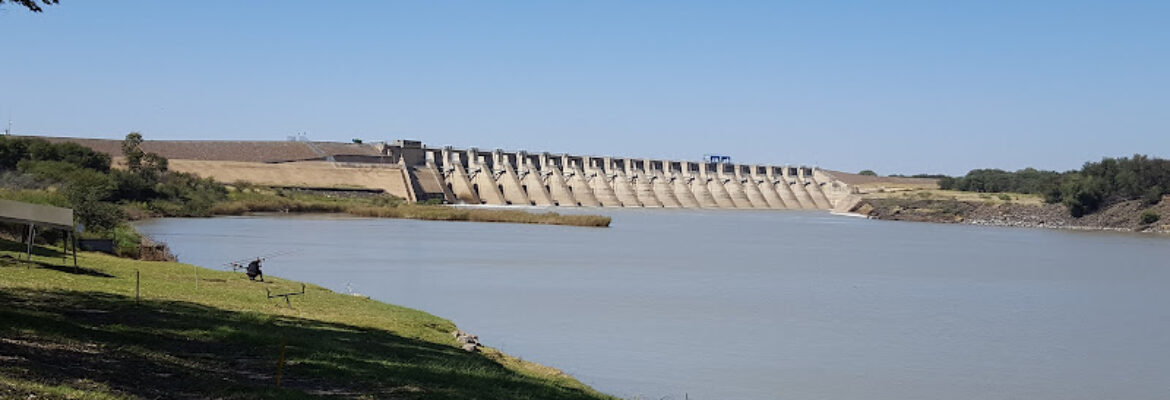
(756, 305)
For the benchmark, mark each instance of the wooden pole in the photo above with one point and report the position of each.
(137, 284)
(280, 365)
(196, 276)
(30, 241)
(74, 249)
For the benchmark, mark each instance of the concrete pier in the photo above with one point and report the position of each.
(623, 187)
(754, 196)
(680, 184)
(767, 189)
(532, 182)
(733, 187)
(600, 182)
(797, 186)
(715, 185)
(660, 184)
(554, 178)
(508, 180)
(700, 184)
(483, 179)
(578, 181)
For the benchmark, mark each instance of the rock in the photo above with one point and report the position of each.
(470, 347)
(466, 339)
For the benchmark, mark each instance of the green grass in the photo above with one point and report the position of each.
(35, 196)
(247, 200)
(80, 334)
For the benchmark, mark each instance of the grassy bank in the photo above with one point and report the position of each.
(80, 333)
(251, 199)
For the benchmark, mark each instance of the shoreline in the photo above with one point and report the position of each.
(59, 314)
(1120, 218)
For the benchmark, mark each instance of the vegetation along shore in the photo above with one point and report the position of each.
(1116, 194)
(125, 329)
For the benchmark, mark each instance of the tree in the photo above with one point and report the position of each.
(31, 4)
(87, 192)
(132, 150)
(867, 172)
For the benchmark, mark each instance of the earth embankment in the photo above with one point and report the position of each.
(1015, 211)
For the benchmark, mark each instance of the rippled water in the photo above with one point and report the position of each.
(756, 305)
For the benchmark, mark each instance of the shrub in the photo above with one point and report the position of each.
(867, 172)
(1149, 217)
(1005, 197)
(1153, 195)
(87, 191)
(14, 150)
(48, 171)
(127, 241)
(35, 196)
(19, 180)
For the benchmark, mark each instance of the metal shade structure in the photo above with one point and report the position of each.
(45, 217)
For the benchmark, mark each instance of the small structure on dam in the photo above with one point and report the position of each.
(409, 169)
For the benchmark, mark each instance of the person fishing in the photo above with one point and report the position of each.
(253, 270)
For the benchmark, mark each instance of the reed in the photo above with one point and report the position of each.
(240, 203)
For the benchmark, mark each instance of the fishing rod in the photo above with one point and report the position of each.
(240, 263)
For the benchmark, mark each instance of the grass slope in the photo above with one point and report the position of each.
(80, 334)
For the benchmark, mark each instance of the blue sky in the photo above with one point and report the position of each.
(898, 87)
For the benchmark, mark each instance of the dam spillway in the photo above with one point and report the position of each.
(501, 178)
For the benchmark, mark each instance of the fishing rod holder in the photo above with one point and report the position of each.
(285, 295)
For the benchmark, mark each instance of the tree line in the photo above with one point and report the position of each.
(80, 178)
(1094, 186)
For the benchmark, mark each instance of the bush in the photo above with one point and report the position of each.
(127, 241)
(48, 171)
(1149, 217)
(1082, 195)
(35, 196)
(867, 172)
(14, 150)
(87, 191)
(20, 180)
(1153, 195)
(1005, 197)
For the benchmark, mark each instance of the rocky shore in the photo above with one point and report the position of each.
(1120, 217)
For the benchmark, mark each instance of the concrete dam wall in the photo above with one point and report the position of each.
(410, 170)
(498, 177)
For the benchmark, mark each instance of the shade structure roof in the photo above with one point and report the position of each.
(36, 214)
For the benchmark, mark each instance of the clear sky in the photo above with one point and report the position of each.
(894, 86)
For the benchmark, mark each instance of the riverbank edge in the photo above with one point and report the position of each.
(1121, 217)
(108, 266)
